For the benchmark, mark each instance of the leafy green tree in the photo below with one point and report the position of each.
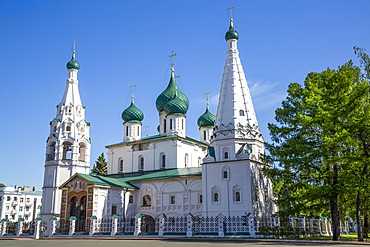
(2, 185)
(313, 147)
(100, 167)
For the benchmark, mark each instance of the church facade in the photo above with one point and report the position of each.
(168, 173)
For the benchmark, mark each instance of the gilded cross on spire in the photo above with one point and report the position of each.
(74, 48)
(132, 92)
(207, 100)
(172, 56)
(230, 12)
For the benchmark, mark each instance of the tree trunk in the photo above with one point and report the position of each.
(358, 217)
(335, 219)
(366, 226)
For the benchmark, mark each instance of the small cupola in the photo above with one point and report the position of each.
(207, 119)
(231, 33)
(169, 93)
(132, 114)
(73, 64)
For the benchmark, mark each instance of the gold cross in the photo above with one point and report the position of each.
(207, 93)
(173, 58)
(74, 46)
(132, 92)
(231, 11)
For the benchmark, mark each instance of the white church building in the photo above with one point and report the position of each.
(168, 173)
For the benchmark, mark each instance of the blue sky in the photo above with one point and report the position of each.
(121, 43)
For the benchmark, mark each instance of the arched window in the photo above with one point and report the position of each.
(147, 201)
(171, 124)
(226, 155)
(225, 173)
(67, 150)
(51, 152)
(204, 135)
(186, 161)
(199, 161)
(237, 194)
(164, 125)
(121, 165)
(163, 160)
(126, 130)
(68, 128)
(241, 113)
(215, 195)
(138, 130)
(82, 151)
(182, 124)
(141, 163)
(55, 128)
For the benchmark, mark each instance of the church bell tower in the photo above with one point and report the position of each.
(68, 144)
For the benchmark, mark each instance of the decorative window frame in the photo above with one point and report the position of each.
(237, 189)
(225, 170)
(215, 195)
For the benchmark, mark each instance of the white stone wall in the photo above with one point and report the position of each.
(174, 150)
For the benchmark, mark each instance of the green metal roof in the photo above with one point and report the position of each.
(106, 181)
(73, 64)
(207, 119)
(169, 173)
(176, 106)
(132, 113)
(123, 179)
(231, 33)
(169, 93)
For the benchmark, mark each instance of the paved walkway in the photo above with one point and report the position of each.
(165, 242)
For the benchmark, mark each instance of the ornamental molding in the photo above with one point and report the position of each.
(240, 131)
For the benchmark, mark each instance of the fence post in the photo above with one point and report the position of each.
(4, 222)
(221, 221)
(20, 227)
(328, 225)
(138, 219)
(92, 225)
(36, 231)
(189, 225)
(162, 218)
(72, 225)
(252, 230)
(114, 225)
(318, 225)
(53, 226)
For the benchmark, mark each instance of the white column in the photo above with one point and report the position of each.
(189, 225)
(20, 227)
(138, 219)
(36, 233)
(93, 220)
(221, 232)
(252, 231)
(72, 225)
(162, 218)
(114, 225)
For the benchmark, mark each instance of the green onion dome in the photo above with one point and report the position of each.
(232, 33)
(132, 114)
(73, 64)
(176, 106)
(207, 119)
(169, 93)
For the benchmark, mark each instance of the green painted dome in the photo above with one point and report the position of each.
(73, 64)
(176, 106)
(232, 33)
(207, 119)
(132, 114)
(169, 93)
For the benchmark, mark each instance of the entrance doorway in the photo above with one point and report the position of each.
(147, 224)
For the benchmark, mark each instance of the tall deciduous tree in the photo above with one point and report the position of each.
(313, 143)
(2, 185)
(100, 166)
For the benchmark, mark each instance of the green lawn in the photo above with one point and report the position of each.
(343, 237)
